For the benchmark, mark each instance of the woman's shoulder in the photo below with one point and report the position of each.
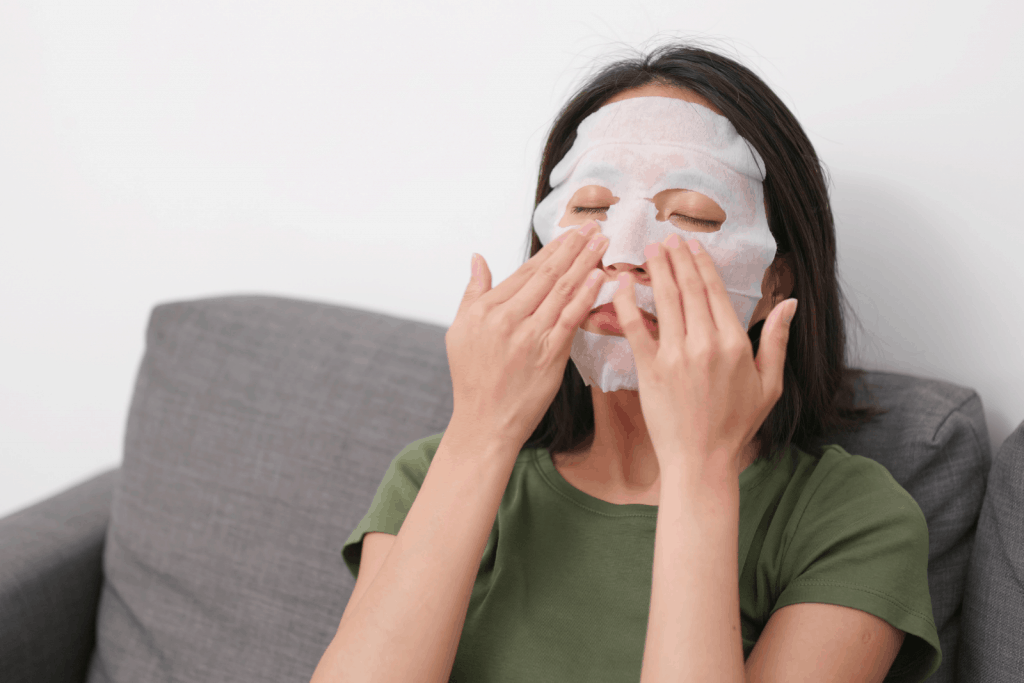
(417, 455)
(859, 474)
(819, 493)
(424, 447)
(842, 486)
(411, 463)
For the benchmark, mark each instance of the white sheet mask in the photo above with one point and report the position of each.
(637, 148)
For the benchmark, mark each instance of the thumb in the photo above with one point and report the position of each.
(479, 281)
(771, 352)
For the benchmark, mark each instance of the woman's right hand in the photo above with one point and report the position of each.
(508, 346)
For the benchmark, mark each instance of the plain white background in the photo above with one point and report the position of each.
(358, 153)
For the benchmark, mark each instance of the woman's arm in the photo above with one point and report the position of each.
(408, 624)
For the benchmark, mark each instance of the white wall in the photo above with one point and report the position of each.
(160, 151)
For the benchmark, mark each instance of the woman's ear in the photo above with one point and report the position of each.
(776, 286)
(784, 278)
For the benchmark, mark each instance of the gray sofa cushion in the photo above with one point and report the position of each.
(992, 638)
(259, 431)
(50, 578)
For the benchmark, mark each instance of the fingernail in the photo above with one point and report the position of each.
(588, 227)
(673, 241)
(651, 250)
(694, 246)
(792, 310)
(623, 278)
(474, 264)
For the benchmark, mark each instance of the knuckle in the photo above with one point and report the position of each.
(565, 322)
(549, 270)
(691, 278)
(717, 289)
(705, 264)
(674, 357)
(736, 347)
(563, 288)
(522, 339)
(702, 351)
(634, 325)
(476, 314)
(502, 321)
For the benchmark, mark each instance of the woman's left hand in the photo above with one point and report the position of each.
(702, 393)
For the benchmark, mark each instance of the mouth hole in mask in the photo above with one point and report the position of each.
(602, 327)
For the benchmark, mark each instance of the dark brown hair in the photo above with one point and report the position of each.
(818, 395)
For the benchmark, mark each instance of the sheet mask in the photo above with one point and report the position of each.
(637, 148)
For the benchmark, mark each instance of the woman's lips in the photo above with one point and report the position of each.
(605, 319)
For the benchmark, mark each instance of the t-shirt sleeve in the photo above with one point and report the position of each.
(862, 542)
(394, 497)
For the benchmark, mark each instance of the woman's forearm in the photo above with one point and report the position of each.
(408, 624)
(693, 628)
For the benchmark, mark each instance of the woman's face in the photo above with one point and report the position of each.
(686, 209)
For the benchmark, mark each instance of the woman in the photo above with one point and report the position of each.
(613, 427)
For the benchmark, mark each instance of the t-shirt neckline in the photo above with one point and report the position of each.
(749, 478)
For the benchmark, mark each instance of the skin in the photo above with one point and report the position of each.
(619, 464)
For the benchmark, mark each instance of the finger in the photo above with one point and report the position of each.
(529, 297)
(691, 289)
(671, 324)
(569, 284)
(722, 311)
(640, 340)
(575, 313)
(771, 354)
(514, 282)
(479, 282)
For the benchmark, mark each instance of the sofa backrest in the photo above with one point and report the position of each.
(259, 430)
(992, 622)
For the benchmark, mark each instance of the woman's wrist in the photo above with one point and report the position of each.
(473, 438)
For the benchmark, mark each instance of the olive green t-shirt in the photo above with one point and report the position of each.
(564, 585)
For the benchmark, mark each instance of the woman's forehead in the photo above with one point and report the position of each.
(647, 164)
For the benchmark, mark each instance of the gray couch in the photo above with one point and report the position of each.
(258, 432)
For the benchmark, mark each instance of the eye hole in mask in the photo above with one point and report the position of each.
(686, 209)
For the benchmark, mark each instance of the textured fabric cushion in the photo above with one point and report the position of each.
(50, 577)
(258, 432)
(992, 628)
(934, 442)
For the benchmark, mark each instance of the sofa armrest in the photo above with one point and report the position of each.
(51, 572)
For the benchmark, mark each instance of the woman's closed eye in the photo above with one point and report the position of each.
(689, 219)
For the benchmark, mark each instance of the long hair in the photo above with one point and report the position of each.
(818, 395)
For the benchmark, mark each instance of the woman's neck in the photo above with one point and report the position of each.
(620, 458)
